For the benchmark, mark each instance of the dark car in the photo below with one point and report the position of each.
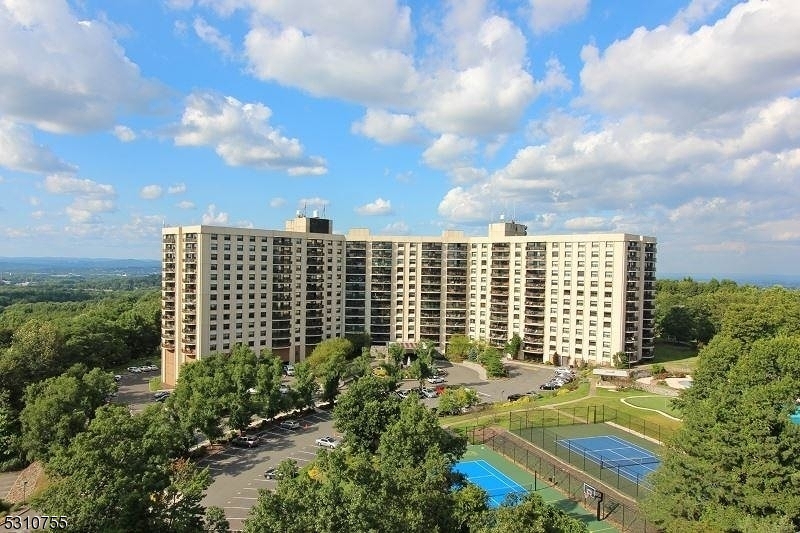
(550, 385)
(161, 395)
(515, 397)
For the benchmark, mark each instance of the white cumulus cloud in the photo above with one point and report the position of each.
(124, 133)
(241, 135)
(378, 207)
(214, 217)
(178, 188)
(387, 128)
(549, 15)
(19, 150)
(212, 36)
(151, 192)
(63, 74)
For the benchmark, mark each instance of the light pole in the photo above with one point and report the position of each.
(24, 490)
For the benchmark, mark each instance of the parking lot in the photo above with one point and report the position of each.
(238, 473)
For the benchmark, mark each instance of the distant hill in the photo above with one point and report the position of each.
(757, 280)
(37, 268)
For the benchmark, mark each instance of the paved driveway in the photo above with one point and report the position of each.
(134, 390)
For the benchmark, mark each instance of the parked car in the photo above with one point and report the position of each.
(117, 378)
(289, 369)
(403, 394)
(515, 397)
(161, 395)
(435, 380)
(290, 424)
(134, 370)
(245, 441)
(428, 392)
(550, 385)
(327, 442)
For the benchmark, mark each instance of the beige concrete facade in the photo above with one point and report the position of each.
(569, 297)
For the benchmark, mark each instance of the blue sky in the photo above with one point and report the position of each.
(679, 120)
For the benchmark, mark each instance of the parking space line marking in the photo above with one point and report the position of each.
(234, 507)
(244, 498)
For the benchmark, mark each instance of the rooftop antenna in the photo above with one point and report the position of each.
(305, 208)
(323, 210)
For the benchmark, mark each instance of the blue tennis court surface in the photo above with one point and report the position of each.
(631, 461)
(496, 484)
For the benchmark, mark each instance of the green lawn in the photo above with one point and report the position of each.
(674, 357)
(659, 403)
(498, 413)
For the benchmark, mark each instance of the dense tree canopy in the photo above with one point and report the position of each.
(57, 409)
(237, 385)
(733, 465)
(328, 361)
(121, 475)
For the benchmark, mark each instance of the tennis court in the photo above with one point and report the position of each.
(496, 484)
(631, 461)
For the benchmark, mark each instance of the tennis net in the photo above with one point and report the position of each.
(633, 461)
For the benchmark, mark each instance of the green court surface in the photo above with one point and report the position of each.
(548, 494)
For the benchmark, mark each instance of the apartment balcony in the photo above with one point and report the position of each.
(189, 340)
(450, 330)
(190, 257)
(169, 248)
(169, 344)
(168, 334)
(168, 296)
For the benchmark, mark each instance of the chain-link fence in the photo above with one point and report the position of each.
(568, 481)
(588, 414)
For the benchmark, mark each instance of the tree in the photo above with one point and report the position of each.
(514, 344)
(360, 341)
(678, 324)
(396, 353)
(620, 360)
(10, 453)
(304, 385)
(365, 410)
(35, 354)
(732, 466)
(457, 348)
(215, 521)
(120, 476)
(529, 513)
(453, 401)
(327, 361)
(491, 361)
(57, 409)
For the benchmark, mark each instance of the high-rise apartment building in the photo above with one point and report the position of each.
(569, 297)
